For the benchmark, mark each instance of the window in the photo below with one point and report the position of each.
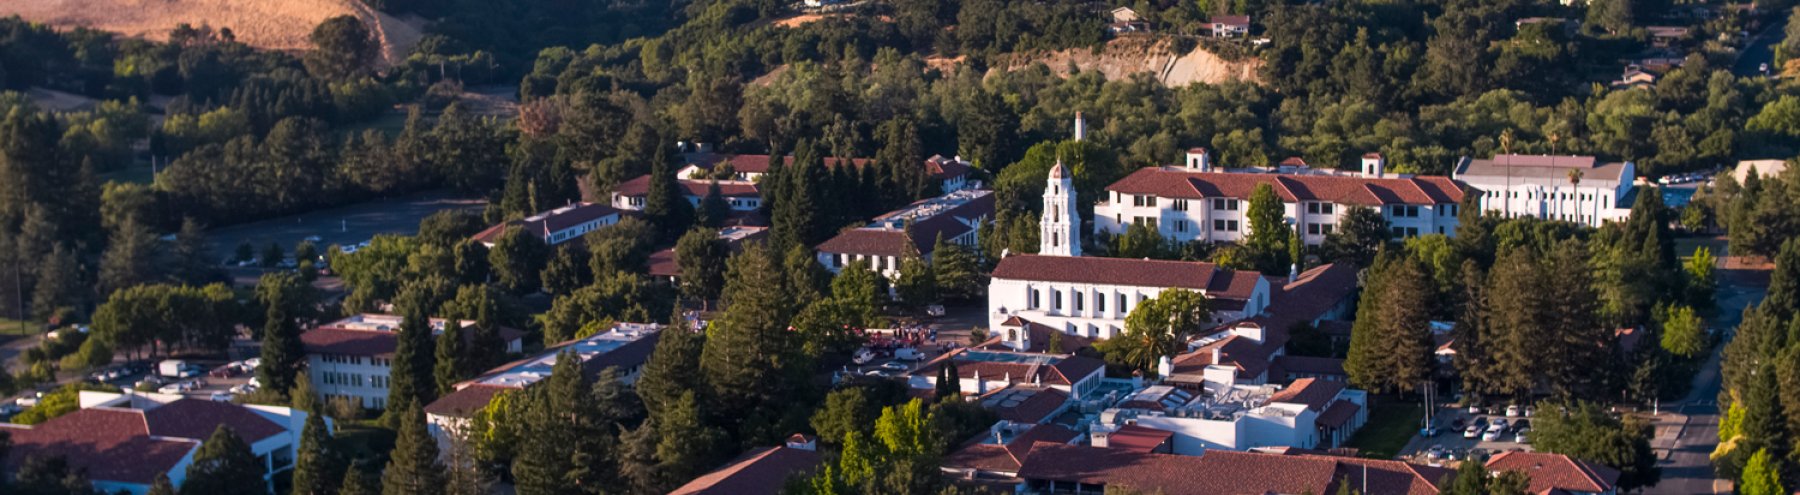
(1099, 303)
(1181, 205)
(1180, 225)
(1122, 307)
(1075, 300)
(1219, 225)
(1405, 211)
(1145, 221)
(1320, 228)
(1320, 208)
(1400, 232)
(1033, 303)
(1143, 200)
(1231, 225)
(1225, 204)
(1055, 300)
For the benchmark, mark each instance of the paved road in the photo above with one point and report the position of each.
(1761, 51)
(344, 225)
(1689, 432)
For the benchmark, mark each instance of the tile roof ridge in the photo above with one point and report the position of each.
(1281, 185)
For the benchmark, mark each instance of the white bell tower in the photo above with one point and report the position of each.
(1060, 234)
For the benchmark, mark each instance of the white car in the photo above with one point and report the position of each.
(1521, 436)
(1491, 435)
(1474, 430)
(221, 397)
(1512, 411)
(172, 389)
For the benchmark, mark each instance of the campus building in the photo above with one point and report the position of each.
(911, 231)
(353, 357)
(1578, 189)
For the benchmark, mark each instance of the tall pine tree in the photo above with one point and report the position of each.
(318, 467)
(666, 205)
(412, 377)
(452, 363)
(749, 358)
(225, 466)
(413, 467)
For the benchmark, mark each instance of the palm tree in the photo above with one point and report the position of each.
(1574, 184)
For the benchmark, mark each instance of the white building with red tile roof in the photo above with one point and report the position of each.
(353, 357)
(1307, 414)
(909, 231)
(741, 195)
(123, 441)
(1090, 296)
(1200, 202)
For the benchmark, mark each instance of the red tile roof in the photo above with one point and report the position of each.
(465, 402)
(942, 168)
(1121, 271)
(1225, 472)
(1005, 458)
(1557, 472)
(697, 188)
(1034, 409)
(1138, 438)
(1338, 414)
(1314, 393)
(110, 444)
(196, 419)
(879, 241)
(759, 472)
(1065, 371)
(1249, 357)
(1176, 183)
(1235, 20)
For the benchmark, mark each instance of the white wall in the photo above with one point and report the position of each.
(1214, 219)
(1092, 319)
(373, 388)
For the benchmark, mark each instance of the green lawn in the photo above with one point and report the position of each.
(12, 327)
(1391, 424)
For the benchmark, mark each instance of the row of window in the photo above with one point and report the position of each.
(1551, 196)
(1078, 299)
(340, 359)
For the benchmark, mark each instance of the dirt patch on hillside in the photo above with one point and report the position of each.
(268, 24)
(1130, 55)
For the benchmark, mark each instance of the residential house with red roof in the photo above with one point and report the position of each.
(624, 348)
(1578, 189)
(353, 357)
(762, 471)
(123, 441)
(1229, 26)
(1057, 468)
(911, 231)
(1199, 202)
(1557, 473)
(557, 225)
(981, 372)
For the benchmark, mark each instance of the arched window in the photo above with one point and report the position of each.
(1012, 334)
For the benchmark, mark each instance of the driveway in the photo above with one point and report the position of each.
(1761, 50)
(1687, 432)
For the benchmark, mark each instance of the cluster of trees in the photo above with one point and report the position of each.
(1761, 371)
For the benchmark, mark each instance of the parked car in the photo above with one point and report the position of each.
(1498, 425)
(1492, 435)
(935, 310)
(895, 365)
(1513, 411)
(1474, 430)
(172, 389)
(1475, 409)
(863, 356)
(1429, 431)
(1435, 452)
(908, 354)
(1521, 436)
(221, 397)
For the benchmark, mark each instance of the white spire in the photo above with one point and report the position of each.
(1059, 230)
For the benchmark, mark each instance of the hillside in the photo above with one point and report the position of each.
(1129, 55)
(270, 24)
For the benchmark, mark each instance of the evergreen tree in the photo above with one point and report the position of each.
(673, 368)
(359, 482)
(1399, 354)
(413, 467)
(958, 274)
(1268, 238)
(517, 259)
(917, 284)
(714, 211)
(282, 352)
(413, 378)
(1762, 476)
(161, 485)
(451, 363)
(665, 204)
(59, 286)
(130, 257)
(1471, 478)
(1359, 236)
(318, 466)
(1584, 430)
(700, 254)
(471, 260)
(799, 214)
(1471, 359)
(807, 280)
(749, 356)
(225, 466)
(565, 272)
(688, 445)
(1578, 340)
(1515, 334)
(303, 397)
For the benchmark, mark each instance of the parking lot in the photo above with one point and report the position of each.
(346, 225)
(1452, 443)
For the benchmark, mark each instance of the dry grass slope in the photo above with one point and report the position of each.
(269, 24)
(1129, 55)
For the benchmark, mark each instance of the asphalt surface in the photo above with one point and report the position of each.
(344, 225)
(1761, 51)
(1689, 431)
